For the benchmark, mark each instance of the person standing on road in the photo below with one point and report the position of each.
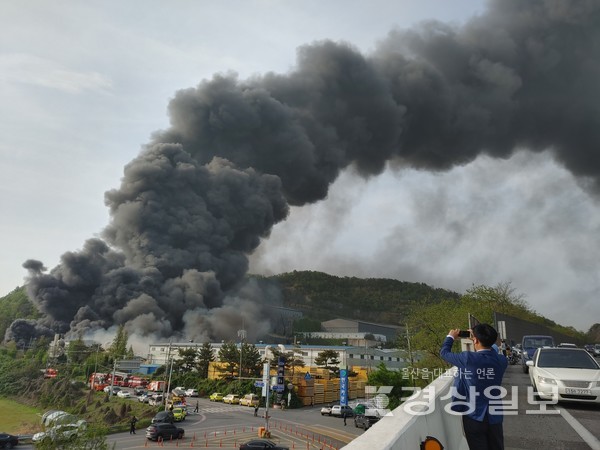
(196, 409)
(344, 417)
(255, 410)
(132, 425)
(479, 377)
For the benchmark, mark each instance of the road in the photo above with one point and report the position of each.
(226, 426)
(527, 426)
(565, 426)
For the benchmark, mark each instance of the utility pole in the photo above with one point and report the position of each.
(112, 379)
(168, 384)
(267, 369)
(242, 336)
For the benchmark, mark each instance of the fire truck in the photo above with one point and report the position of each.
(135, 381)
(98, 381)
(157, 386)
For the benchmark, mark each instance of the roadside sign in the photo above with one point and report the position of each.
(307, 376)
(259, 383)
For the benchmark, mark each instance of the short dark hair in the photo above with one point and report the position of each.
(486, 334)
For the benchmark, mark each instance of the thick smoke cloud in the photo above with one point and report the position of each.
(205, 191)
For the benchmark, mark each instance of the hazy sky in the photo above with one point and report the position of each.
(85, 84)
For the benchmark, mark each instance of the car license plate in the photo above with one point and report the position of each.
(573, 391)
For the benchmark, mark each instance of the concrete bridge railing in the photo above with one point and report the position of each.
(424, 414)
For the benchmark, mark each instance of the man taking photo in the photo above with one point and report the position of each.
(479, 372)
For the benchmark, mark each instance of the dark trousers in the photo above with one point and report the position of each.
(483, 435)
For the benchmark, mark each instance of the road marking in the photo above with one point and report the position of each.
(330, 432)
(588, 437)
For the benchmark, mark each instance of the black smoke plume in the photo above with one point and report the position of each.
(203, 193)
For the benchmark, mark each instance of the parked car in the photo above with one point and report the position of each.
(589, 348)
(262, 444)
(326, 410)
(8, 440)
(191, 393)
(124, 394)
(164, 431)
(232, 399)
(113, 390)
(571, 374)
(179, 413)
(155, 400)
(163, 417)
(144, 398)
(249, 400)
(365, 422)
(340, 411)
(179, 391)
(530, 344)
(216, 397)
(140, 391)
(60, 433)
(596, 349)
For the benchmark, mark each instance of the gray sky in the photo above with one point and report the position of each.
(85, 84)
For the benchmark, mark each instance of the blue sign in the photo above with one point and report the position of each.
(280, 374)
(259, 383)
(278, 388)
(344, 387)
(307, 376)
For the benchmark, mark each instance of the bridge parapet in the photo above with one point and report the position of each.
(412, 422)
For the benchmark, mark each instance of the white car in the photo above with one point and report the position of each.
(115, 389)
(191, 393)
(124, 394)
(565, 374)
(61, 433)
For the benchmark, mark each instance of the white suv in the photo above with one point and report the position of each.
(339, 410)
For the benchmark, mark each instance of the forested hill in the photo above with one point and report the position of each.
(323, 297)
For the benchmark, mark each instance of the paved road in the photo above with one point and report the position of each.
(533, 426)
(566, 426)
(226, 426)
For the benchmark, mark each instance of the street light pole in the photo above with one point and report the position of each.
(242, 336)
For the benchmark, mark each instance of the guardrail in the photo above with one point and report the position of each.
(418, 418)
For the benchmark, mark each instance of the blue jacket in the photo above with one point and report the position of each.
(479, 370)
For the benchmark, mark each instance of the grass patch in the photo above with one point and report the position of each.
(18, 418)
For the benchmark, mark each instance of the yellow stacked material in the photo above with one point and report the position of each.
(332, 385)
(319, 398)
(305, 382)
(213, 370)
(352, 394)
(306, 401)
(361, 373)
(306, 391)
(332, 396)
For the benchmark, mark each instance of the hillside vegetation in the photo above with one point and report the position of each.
(323, 297)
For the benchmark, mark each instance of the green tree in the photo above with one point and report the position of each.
(384, 377)
(328, 359)
(230, 356)
(251, 360)
(205, 357)
(188, 359)
(78, 352)
(118, 348)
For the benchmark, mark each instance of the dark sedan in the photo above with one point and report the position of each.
(365, 422)
(163, 432)
(8, 440)
(262, 444)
